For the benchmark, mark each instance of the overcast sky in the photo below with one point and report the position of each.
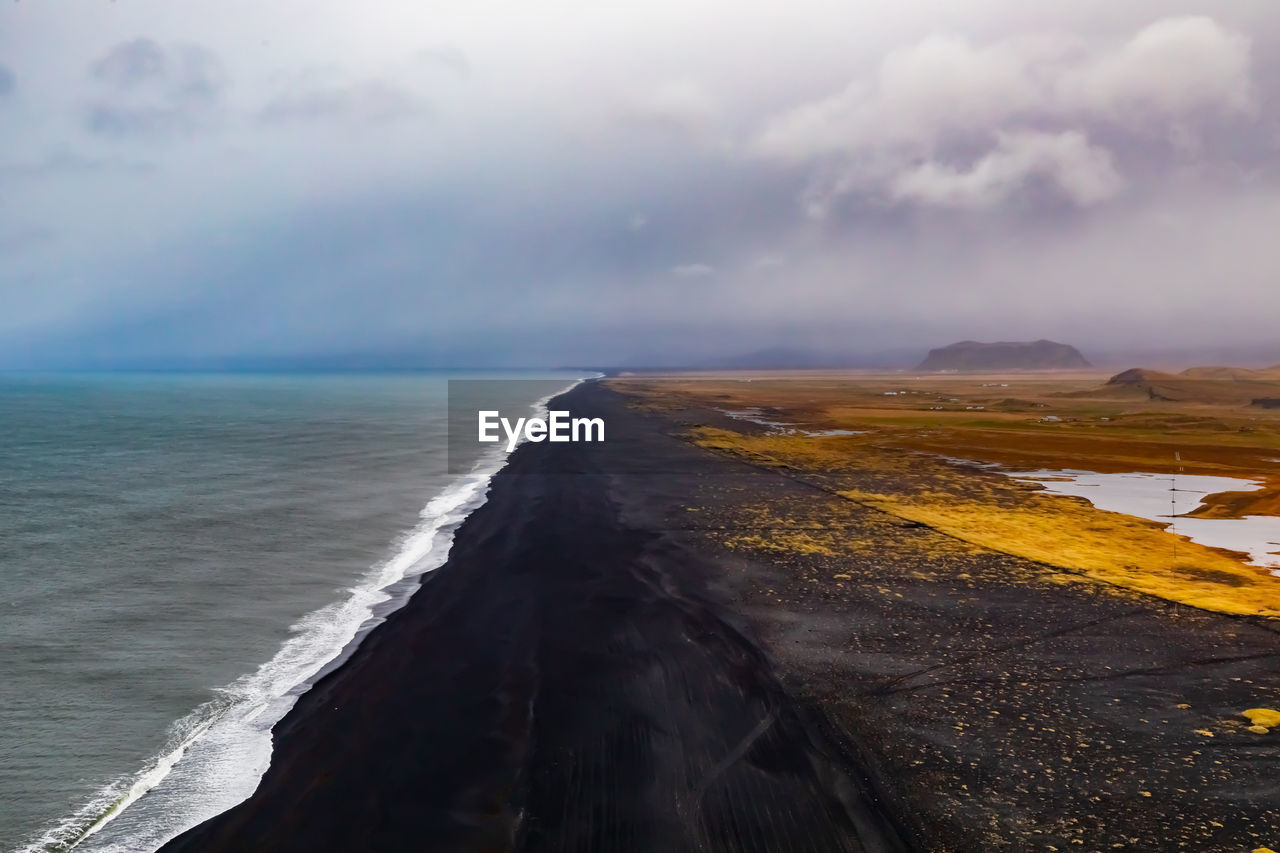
(483, 182)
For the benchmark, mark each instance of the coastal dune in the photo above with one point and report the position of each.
(568, 681)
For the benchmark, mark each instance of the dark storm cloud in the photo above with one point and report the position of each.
(149, 89)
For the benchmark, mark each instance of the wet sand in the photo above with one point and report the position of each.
(596, 669)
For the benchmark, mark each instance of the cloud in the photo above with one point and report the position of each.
(697, 270)
(1014, 108)
(7, 81)
(939, 87)
(147, 89)
(1171, 69)
(446, 57)
(682, 108)
(1082, 172)
(1089, 171)
(369, 103)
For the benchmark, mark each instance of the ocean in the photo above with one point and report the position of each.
(180, 554)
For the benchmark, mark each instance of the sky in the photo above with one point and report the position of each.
(481, 183)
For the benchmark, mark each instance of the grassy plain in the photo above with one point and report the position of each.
(907, 444)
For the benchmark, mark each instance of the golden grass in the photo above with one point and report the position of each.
(1118, 549)
(1148, 451)
(1002, 419)
(1268, 717)
(786, 541)
(1012, 517)
(786, 533)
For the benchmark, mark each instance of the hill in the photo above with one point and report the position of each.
(1004, 355)
(1230, 385)
(1235, 373)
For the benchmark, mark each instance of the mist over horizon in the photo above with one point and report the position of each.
(906, 359)
(396, 185)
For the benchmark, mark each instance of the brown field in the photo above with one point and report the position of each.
(914, 435)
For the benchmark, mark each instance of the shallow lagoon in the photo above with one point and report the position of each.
(1164, 498)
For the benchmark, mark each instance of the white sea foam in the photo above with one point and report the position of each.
(215, 757)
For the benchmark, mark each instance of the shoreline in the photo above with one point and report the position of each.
(236, 714)
(615, 637)
(565, 681)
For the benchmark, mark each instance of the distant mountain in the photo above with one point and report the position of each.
(1142, 377)
(1005, 355)
(1237, 373)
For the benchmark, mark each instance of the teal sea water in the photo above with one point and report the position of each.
(179, 554)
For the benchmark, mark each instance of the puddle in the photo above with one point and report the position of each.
(756, 416)
(831, 431)
(1162, 497)
(970, 463)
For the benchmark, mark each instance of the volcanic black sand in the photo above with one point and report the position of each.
(595, 670)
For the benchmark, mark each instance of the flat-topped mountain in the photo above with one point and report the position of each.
(1005, 355)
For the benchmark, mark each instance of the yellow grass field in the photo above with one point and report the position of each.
(910, 431)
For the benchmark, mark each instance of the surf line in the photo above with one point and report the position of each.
(319, 639)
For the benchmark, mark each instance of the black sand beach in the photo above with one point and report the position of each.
(593, 670)
(566, 682)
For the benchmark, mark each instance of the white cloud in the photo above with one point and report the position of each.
(679, 107)
(1082, 172)
(941, 86)
(1170, 69)
(1018, 107)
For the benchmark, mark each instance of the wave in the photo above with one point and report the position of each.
(214, 757)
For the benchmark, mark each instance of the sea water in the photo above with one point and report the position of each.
(179, 556)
